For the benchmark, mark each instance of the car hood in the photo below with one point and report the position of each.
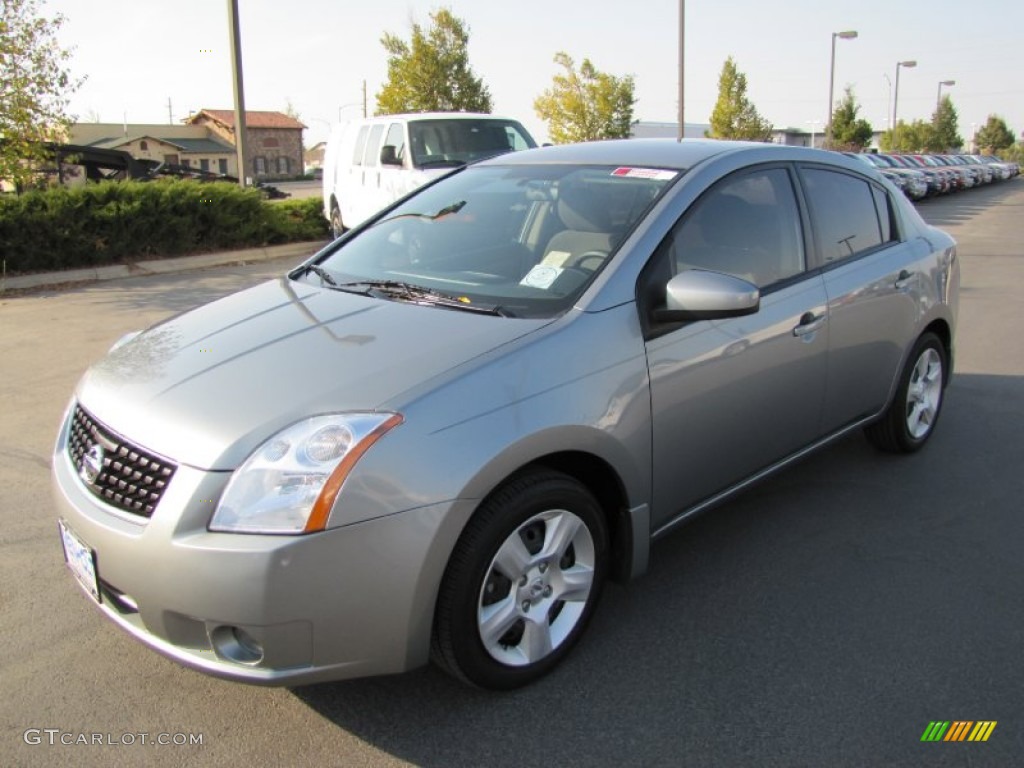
(205, 388)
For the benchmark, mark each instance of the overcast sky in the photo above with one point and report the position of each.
(316, 54)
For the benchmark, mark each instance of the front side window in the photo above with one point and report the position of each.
(524, 239)
(396, 139)
(747, 225)
(844, 213)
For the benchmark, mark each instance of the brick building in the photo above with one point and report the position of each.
(274, 140)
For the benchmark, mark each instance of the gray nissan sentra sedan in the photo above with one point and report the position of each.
(438, 437)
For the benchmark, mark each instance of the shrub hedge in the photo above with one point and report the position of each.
(122, 222)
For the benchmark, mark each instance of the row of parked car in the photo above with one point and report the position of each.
(920, 176)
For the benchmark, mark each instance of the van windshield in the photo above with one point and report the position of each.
(518, 240)
(453, 142)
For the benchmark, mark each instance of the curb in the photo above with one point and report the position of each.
(160, 266)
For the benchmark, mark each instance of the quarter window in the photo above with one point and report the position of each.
(357, 155)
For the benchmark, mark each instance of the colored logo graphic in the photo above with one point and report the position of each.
(958, 730)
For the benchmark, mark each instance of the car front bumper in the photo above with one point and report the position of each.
(347, 602)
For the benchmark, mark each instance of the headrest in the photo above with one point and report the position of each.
(726, 220)
(582, 208)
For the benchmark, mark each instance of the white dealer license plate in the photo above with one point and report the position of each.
(80, 559)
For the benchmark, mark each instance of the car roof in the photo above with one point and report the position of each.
(660, 153)
(414, 116)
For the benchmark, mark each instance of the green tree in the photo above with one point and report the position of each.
(431, 73)
(994, 136)
(945, 135)
(586, 105)
(1013, 154)
(849, 132)
(35, 87)
(734, 116)
(908, 137)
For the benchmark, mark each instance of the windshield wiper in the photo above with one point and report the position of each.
(322, 273)
(441, 161)
(448, 209)
(395, 289)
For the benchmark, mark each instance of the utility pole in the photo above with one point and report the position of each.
(170, 114)
(236, 71)
(364, 99)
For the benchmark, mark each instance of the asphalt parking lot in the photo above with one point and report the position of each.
(823, 618)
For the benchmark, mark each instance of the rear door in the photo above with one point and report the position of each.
(873, 279)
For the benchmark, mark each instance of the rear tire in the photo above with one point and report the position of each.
(522, 582)
(911, 417)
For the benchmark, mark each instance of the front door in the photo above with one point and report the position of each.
(731, 397)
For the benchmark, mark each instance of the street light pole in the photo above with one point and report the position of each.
(938, 98)
(896, 92)
(849, 34)
(888, 102)
(682, 42)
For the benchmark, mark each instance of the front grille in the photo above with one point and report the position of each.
(130, 478)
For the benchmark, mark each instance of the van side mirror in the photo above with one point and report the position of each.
(389, 156)
(697, 294)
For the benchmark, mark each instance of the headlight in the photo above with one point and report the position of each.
(289, 483)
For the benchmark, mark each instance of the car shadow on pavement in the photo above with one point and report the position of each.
(962, 206)
(821, 618)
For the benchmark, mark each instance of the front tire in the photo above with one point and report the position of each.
(337, 226)
(522, 582)
(911, 417)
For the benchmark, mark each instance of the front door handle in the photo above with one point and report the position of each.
(903, 280)
(809, 323)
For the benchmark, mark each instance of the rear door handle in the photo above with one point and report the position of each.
(809, 323)
(903, 280)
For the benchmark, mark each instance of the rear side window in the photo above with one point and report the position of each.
(844, 213)
(357, 155)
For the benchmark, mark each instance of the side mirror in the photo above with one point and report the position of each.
(389, 156)
(697, 294)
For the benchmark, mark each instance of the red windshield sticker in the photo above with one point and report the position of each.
(646, 173)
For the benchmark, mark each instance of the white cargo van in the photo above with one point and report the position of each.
(370, 163)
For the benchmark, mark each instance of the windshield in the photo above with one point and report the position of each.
(522, 240)
(456, 142)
